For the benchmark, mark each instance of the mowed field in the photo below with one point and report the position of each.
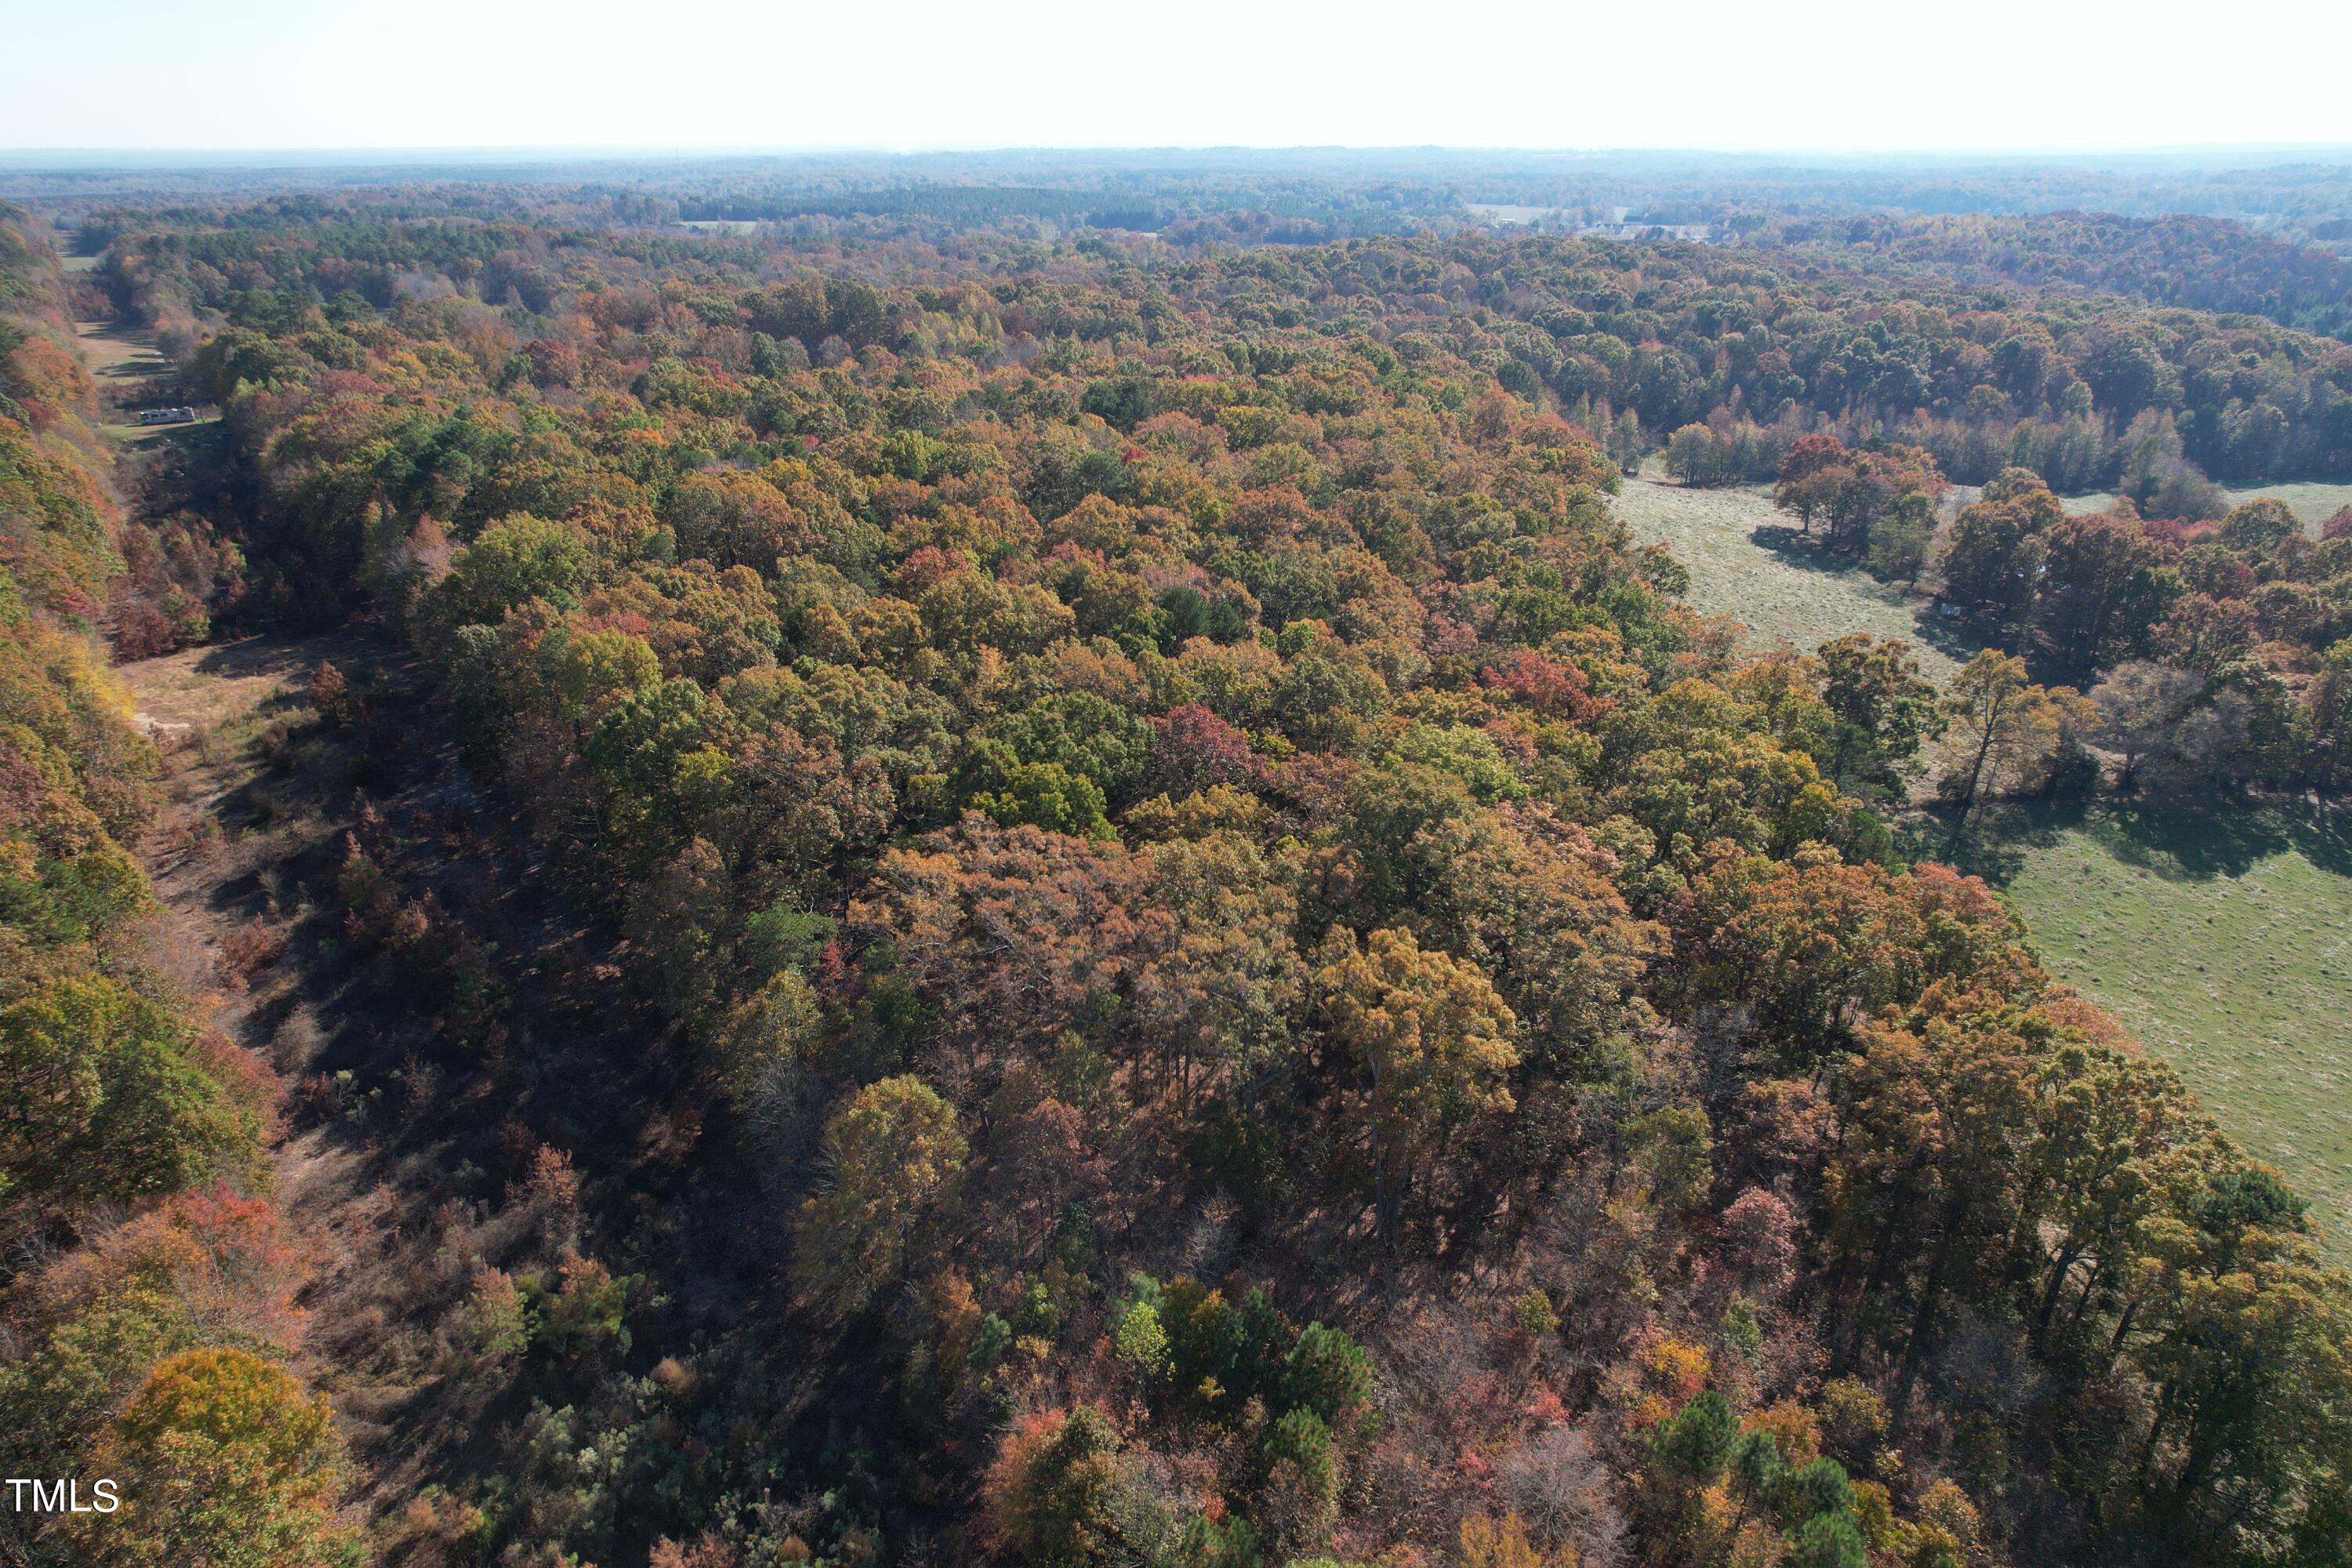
(2313, 501)
(1782, 595)
(1793, 596)
(116, 352)
(128, 369)
(2223, 940)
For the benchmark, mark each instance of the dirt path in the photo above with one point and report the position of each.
(395, 1124)
(420, 1081)
(210, 853)
(239, 852)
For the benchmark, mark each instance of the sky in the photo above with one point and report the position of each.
(1814, 75)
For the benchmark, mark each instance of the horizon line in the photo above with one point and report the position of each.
(28, 158)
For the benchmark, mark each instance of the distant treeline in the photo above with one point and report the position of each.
(967, 203)
(2086, 390)
(1341, 193)
(2206, 264)
(2072, 386)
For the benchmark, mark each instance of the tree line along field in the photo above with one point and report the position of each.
(2218, 933)
(2222, 936)
(2313, 501)
(1803, 598)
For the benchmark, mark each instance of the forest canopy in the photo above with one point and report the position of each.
(1195, 957)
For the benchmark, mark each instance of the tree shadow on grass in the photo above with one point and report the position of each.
(250, 656)
(1810, 550)
(2000, 839)
(2324, 834)
(2178, 839)
(2183, 842)
(1958, 639)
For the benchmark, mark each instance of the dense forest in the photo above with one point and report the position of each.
(2202, 263)
(1057, 899)
(2086, 390)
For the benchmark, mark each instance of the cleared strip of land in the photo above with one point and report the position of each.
(2315, 501)
(125, 361)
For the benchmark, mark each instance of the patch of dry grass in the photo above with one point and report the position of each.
(117, 352)
(217, 688)
(1782, 596)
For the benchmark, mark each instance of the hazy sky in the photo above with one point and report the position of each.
(1816, 73)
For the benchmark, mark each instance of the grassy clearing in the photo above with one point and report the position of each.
(224, 685)
(1783, 595)
(207, 707)
(128, 367)
(117, 352)
(2311, 501)
(2223, 940)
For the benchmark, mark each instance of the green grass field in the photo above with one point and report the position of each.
(1792, 596)
(1782, 596)
(2223, 940)
(2312, 501)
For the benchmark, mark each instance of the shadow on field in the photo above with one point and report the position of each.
(264, 656)
(1957, 640)
(1797, 548)
(2176, 839)
(1998, 839)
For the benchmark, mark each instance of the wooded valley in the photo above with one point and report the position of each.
(972, 879)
